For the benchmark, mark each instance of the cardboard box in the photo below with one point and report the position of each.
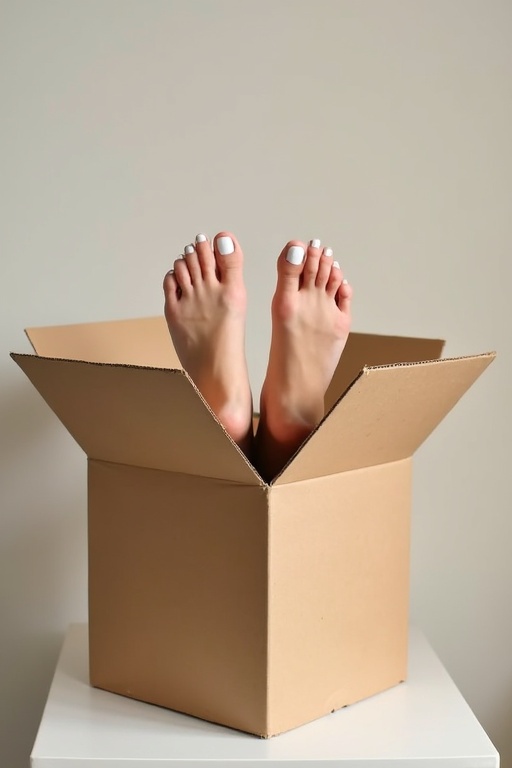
(258, 606)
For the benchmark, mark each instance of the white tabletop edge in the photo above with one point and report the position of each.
(423, 721)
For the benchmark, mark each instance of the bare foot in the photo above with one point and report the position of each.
(205, 305)
(310, 325)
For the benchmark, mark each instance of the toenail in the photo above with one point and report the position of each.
(171, 272)
(328, 251)
(315, 243)
(189, 249)
(344, 281)
(336, 264)
(295, 254)
(201, 238)
(225, 246)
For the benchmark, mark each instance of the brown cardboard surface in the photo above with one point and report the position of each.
(385, 416)
(204, 601)
(257, 606)
(368, 349)
(145, 417)
(178, 570)
(338, 598)
(143, 341)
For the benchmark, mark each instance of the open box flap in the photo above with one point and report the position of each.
(146, 417)
(145, 341)
(369, 349)
(385, 416)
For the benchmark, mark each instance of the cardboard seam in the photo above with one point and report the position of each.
(99, 364)
(269, 622)
(171, 472)
(346, 472)
(30, 342)
(439, 361)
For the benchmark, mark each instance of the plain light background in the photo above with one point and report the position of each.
(382, 127)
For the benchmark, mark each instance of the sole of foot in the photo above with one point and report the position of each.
(205, 308)
(311, 318)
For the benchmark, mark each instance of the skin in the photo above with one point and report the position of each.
(310, 326)
(205, 308)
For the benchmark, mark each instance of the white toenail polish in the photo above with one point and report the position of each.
(328, 251)
(189, 249)
(201, 238)
(295, 254)
(336, 264)
(225, 246)
(315, 243)
(345, 281)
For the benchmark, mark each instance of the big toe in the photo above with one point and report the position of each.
(229, 256)
(290, 265)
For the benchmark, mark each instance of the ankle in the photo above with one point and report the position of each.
(237, 421)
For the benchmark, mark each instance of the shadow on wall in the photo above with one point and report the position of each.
(42, 559)
(499, 728)
(30, 661)
(25, 419)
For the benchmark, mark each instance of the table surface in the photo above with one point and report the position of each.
(424, 720)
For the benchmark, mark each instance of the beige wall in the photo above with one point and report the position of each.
(382, 127)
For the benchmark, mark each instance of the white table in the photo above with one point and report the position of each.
(424, 723)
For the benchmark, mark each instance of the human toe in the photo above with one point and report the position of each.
(171, 291)
(182, 275)
(205, 255)
(192, 261)
(290, 263)
(312, 262)
(335, 279)
(344, 296)
(228, 255)
(324, 268)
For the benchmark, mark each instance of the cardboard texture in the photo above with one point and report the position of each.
(257, 605)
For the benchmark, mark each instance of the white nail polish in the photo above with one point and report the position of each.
(315, 243)
(189, 249)
(225, 246)
(170, 272)
(336, 264)
(328, 251)
(345, 281)
(201, 238)
(295, 254)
